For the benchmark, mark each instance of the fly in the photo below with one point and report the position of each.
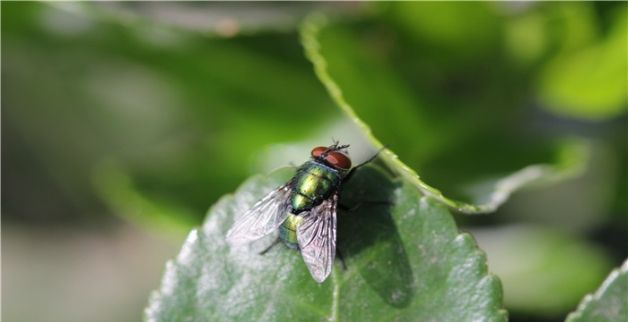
(303, 210)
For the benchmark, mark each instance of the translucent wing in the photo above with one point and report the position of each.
(317, 238)
(262, 219)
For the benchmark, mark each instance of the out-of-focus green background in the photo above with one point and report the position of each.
(123, 122)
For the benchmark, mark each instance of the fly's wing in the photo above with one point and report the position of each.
(262, 219)
(317, 238)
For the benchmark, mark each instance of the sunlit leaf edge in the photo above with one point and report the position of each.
(502, 189)
(598, 298)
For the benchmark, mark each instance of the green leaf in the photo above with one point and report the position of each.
(411, 122)
(608, 303)
(404, 261)
(196, 97)
(589, 83)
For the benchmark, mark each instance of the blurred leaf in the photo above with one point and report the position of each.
(536, 31)
(184, 115)
(543, 271)
(444, 27)
(526, 37)
(577, 204)
(621, 188)
(222, 19)
(116, 188)
(571, 160)
(405, 261)
(574, 25)
(590, 83)
(608, 303)
(322, 41)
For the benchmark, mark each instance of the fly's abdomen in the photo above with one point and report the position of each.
(314, 183)
(288, 231)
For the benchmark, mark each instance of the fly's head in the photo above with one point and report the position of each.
(336, 156)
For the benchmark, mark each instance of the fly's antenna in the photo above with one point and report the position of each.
(337, 147)
(334, 143)
(342, 148)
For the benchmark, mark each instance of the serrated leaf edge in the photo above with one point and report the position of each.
(178, 261)
(592, 298)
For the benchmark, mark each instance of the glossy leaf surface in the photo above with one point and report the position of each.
(405, 261)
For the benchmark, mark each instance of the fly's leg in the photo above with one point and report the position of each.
(271, 246)
(352, 171)
(341, 258)
(362, 203)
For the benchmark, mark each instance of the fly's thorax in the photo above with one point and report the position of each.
(313, 183)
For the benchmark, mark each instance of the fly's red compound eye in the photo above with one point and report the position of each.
(317, 151)
(338, 160)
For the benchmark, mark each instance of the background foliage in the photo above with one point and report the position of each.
(146, 113)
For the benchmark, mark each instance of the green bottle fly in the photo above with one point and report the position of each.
(303, 210)
(314, 182)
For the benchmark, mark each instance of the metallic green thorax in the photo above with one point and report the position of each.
(313, 183)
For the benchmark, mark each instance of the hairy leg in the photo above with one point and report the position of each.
(350, 174)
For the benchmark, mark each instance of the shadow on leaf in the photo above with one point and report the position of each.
(368, 238)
